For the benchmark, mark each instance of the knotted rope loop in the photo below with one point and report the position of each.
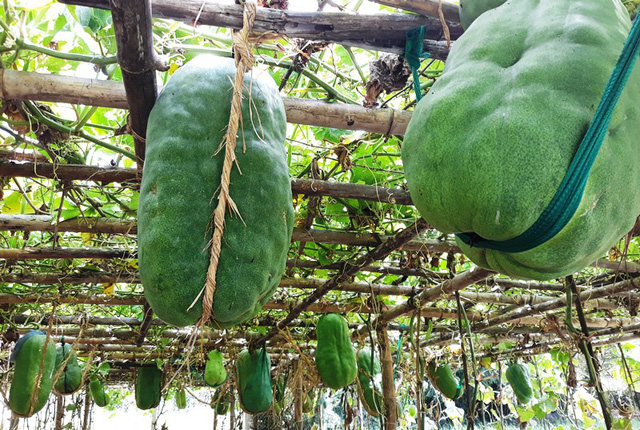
(244, 63)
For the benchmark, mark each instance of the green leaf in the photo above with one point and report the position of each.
(13, 203)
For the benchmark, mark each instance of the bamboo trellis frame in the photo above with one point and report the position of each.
(529, 310)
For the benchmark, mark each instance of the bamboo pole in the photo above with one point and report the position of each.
(388, 385)
(385, 32)
(115, 226)
(352, 267)
(77, 172)
(426, 7)
(15, 85)
(450, 286)
(595, 293)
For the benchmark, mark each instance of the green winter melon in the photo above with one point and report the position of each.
(335, 358)
(486, 149)
(444, 380)
(221, 401)
(181, 398)
(471, 9)
(370, 382)
(31, 351)
(253, 379)
(69, 379)
(518, 377)
(96, 388)
(148, 387)
(181, 175)
(214, 371)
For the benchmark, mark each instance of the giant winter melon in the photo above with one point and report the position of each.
(486, 149)
(180, 178)
(35, 361)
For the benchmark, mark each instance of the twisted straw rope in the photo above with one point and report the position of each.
(244, 62)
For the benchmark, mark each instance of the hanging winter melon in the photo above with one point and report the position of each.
(70, 378)
(253, 380)
(518, 377)
(98, 393)
(180, 178)
(148, 387)
(370, 382)
(214, 371)
(444, 380)
(35, 360)
(488, 147)
(335, 358)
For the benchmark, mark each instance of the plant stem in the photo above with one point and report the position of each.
(356, 65)
(33, 110)
(68, 56)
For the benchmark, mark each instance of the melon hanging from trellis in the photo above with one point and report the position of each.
(486, 149)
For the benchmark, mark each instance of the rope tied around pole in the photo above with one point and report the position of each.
(244, 62)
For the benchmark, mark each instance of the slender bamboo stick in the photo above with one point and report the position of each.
(105, 175)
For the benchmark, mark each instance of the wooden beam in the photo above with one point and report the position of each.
(116, 226)
(382, 31)
(351, 268)
(105, 175)
(594, 293)
(93, 92)
(449, 286)
(138, 62)
(318, 307)
(426, 7)
(31, 253)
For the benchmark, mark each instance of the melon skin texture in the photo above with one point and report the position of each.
(253, 380)
(471, 9)
(70, 379)
(180, 178)
(31, 350)
(148, 387)
(335, 358)
(488, 146)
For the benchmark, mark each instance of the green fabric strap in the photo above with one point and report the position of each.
(414, 55)
(567, 199)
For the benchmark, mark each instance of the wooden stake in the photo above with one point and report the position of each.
(388, 385)
(59, 411)
(297, 399)
(87, 408)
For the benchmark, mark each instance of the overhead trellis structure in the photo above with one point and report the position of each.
(68, 263)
